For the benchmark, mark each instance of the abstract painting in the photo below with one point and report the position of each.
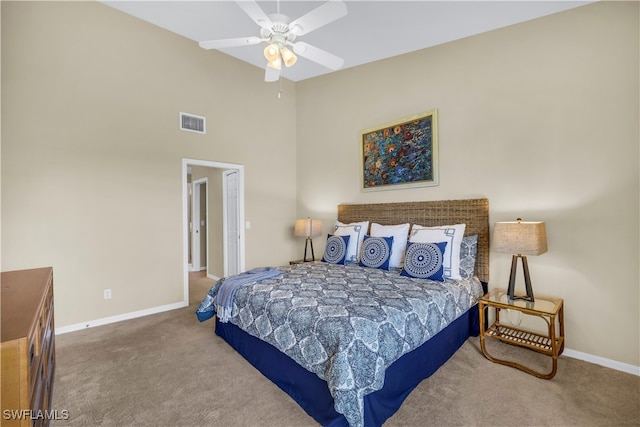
(401, 154)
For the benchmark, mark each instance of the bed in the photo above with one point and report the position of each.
(349, 358)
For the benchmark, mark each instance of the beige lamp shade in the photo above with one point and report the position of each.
(288, 57)
(520, 237)
(308, 227)
(272, 52)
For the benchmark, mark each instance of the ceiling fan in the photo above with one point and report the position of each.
(280, 32)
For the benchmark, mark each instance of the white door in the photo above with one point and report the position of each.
(231, 222)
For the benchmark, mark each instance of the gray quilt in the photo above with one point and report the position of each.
(347, 324)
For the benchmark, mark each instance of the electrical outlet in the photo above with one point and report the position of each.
(107, 294)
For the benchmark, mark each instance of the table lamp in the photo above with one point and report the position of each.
(520, 238)
(308, 228)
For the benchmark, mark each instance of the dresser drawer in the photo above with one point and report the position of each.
(35, 355)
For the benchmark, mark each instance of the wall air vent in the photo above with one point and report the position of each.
(192, 123)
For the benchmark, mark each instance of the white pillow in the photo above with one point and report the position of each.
(400, 234)
(356, 231)
(452, 234)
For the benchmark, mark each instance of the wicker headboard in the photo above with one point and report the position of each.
(472, 212)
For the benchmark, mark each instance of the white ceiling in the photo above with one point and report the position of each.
(372, 30)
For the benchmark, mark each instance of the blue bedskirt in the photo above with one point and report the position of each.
(312, 393)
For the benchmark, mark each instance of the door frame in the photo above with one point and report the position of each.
(185, 214)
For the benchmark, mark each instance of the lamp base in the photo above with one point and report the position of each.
(527, 279)
(306, 243)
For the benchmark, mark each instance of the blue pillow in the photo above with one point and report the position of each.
(335, 251)
(424, 261)
(376, 252)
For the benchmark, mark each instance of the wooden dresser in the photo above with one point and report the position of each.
(27, 347)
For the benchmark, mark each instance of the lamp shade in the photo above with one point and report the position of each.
(275, 64)
(308, 227)
(272, 52)
(520, 237)
(288, 57)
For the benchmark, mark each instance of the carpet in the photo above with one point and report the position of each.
(168, 369)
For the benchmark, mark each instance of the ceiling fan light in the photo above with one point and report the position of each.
(271, 52)
(288, 57)
(275, 64)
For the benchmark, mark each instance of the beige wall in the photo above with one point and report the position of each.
(92, 154)
(542, 119)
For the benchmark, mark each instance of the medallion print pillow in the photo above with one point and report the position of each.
(376, 252)
(335, 251)
(425, 261)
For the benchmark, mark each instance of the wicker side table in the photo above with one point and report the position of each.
(551, 310)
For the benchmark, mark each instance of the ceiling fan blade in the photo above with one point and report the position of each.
(322, 15)
(318, 55)
(256, 13)
(222, 43)
(271, 74)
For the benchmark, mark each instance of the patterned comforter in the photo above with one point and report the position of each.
(347, 324)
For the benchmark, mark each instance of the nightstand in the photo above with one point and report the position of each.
(550, 309)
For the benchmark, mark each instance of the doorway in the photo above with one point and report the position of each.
(227, 191)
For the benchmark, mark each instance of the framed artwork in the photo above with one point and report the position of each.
(401, 154)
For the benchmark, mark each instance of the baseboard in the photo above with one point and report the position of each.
(608, 363)
(212, 277)
(119, 318)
